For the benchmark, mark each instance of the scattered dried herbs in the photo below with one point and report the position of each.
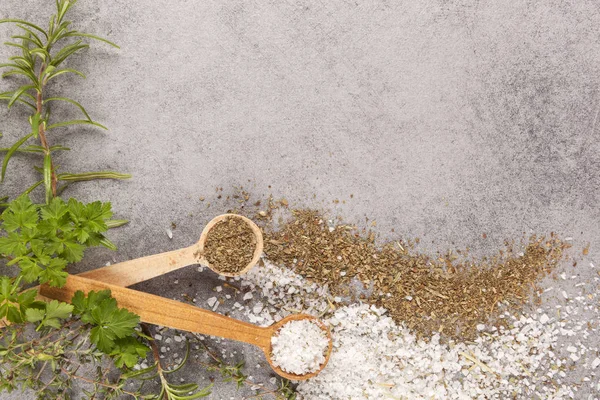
(230, 245)
(427, 294)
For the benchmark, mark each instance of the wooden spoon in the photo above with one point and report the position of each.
(174, 314)
(141, 269)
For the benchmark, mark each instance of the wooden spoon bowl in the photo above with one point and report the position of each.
(257, 251)
(275, 329)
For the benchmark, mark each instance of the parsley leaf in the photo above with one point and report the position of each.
(54, 273)
(84, 305)
(55, 210)
(112, 323)
(50, 316)
(13, 244)
(21, 213)
(127, 351)
(30, 270)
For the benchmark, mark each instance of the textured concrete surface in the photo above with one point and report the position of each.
(444, 119)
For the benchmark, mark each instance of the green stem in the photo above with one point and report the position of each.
(51, 191)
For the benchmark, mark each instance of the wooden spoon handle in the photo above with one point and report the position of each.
(130, 272)
(160, 311)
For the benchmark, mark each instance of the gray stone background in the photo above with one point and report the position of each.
(444, 119)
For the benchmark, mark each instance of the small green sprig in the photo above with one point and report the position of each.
(41, 58)
(231, 373)
(168, 390)
(234, 373)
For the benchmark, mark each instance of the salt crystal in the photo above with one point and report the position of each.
(211, 302)
(595, 363)
(248, 296)
(544, 318)
(258, 307)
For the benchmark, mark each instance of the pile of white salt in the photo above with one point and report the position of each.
(299, 347)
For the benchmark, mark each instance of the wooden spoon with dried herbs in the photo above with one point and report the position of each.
(230, 245)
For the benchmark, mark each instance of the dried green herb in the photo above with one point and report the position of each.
(230, 245)
(428, 295)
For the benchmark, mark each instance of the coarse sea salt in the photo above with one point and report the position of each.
(299, 347)
(375, 358)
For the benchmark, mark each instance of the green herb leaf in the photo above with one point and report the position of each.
(51, 315)
(127, 351)
(11, 151)
(30, 270)
(112, 323)
(35, 315)
(56, 209)
(84, 305)
(54, 273)
(76, 122)
(87, 35)
(72, 251)
(76, 104)
(18, 93)
(58, 310)
(19, 21)
(13, 244)
(21, 213)
(59, 72)
(48, 177)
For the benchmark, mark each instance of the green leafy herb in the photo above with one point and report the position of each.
(114, 328)
(50, 316)
(43, 239)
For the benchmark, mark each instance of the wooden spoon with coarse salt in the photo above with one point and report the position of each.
(174, 314)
